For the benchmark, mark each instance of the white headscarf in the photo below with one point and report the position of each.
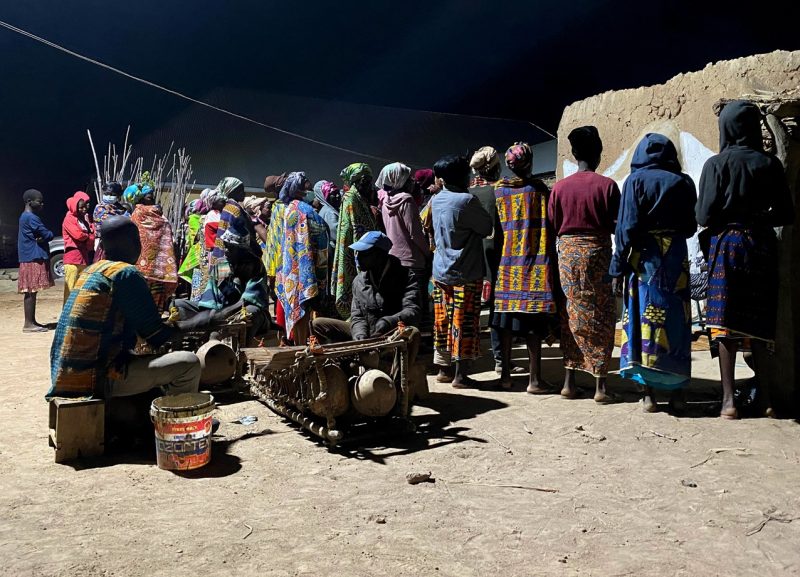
(393, 176)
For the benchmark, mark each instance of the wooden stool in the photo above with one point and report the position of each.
(77, 428)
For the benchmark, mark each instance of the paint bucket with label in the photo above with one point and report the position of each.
(183, 430)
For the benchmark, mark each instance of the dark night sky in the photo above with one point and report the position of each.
(515, 59)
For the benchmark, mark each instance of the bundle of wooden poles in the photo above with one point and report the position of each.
(170, 195)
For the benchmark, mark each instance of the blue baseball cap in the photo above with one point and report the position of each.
(372, 239)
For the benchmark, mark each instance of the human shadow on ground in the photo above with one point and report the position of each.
(433, 429)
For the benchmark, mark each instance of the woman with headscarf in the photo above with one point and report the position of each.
(157, 259)
(743, 195)
(328, 197)
(460, 223)
(655, 219)
(485, 165)
(524, 301)
(108, 206)
(583, 209)
(78, 234)
(254, 206)
(232, 214)
(303, 276)
(403, 225)
(193, 238)
(273, 254)
(355, 218)
(214, 200)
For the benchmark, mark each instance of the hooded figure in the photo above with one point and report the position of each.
(78, 233)
(743, 195)
(655, 197)
(743, 184)
(655, 219)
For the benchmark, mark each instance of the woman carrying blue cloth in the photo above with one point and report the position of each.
(656, 216)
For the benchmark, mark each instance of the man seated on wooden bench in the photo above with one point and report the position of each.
(110, 305)
(384, 294)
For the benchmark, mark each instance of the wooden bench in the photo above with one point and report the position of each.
(77, 428)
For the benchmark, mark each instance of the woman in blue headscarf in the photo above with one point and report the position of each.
(656, 216)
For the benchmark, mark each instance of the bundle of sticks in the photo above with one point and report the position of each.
(170, 195)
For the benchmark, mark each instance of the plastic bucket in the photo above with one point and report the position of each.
(183, 430)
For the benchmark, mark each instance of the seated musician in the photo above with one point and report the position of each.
(384, 294)
(244, 289)
(109, 307)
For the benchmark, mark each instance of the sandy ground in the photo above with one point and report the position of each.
(636, 494)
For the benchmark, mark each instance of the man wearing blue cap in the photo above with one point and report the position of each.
(384, 294)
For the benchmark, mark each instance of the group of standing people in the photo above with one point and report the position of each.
(554, 269)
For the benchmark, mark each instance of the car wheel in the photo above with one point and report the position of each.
(57, 266)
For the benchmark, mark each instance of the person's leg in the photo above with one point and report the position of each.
(649, 404)
(756, 361)
(29, 307)
(441, 336)
(302, 330)
(535, 384)
(331, 330)
(178, 371)
(258, 322)
(600, 394)
(727, 365)
(70, 275)
(186, 308)
(569, 391)
(466, 327)
(506, 339)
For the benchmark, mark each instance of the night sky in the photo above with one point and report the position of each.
(522, 60)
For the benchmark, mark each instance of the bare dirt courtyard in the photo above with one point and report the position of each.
(636, 494)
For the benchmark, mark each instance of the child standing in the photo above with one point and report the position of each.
(78, 233)
(34, 257)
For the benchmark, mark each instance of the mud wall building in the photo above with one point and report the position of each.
(684, 109)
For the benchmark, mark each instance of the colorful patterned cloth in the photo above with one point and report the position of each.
(109, 306)
(457, 321)
(657, 322)
(102, 212)
(194, 241)
(235, 223)
(157, 259)
(353, 172)
(34, 276)
(134, 194)
(304, 271)
(519, 156)
(525, 275)
(743, 284)
(588, 317)
(273, 254)
(355, 218)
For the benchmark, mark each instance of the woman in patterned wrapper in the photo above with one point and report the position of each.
(656, 216)
(583, 209)
(743, 196)
(524, 303)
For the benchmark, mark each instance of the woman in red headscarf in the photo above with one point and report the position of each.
(78, 233)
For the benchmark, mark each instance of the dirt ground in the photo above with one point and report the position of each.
(636, 494)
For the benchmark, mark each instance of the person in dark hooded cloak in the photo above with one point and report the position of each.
(655, 219)
(743, 195)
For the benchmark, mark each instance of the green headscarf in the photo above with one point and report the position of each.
(354, 172)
